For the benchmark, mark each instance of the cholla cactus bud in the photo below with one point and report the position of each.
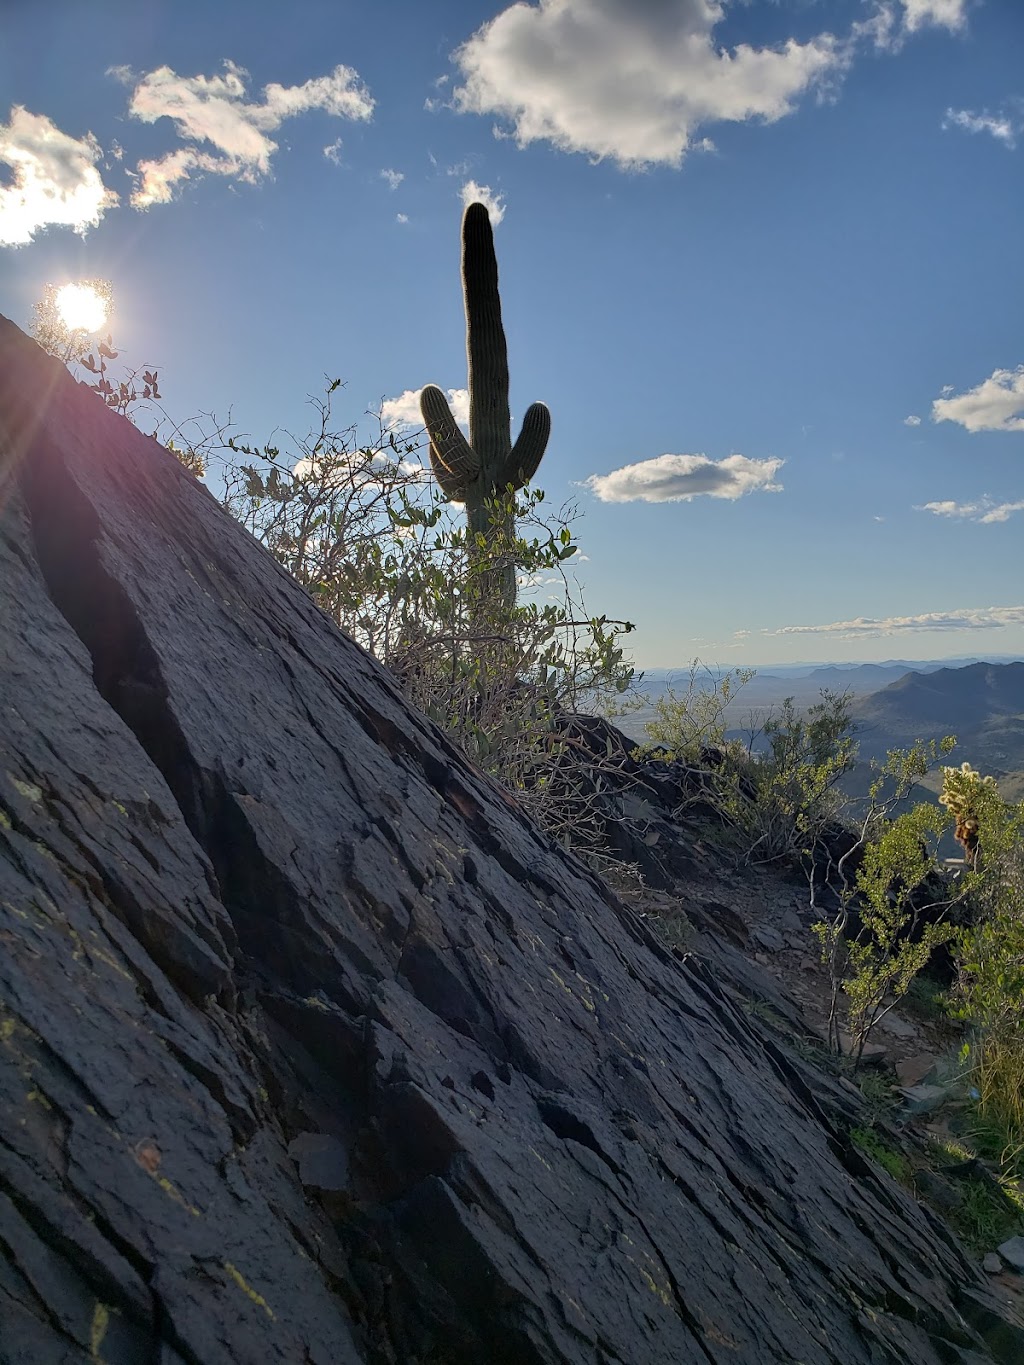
(964, 794)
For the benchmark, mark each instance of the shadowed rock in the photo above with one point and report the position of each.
(313, 1049)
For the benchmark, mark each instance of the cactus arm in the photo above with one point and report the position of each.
(486, 350)
(455, 463)
(521, 465)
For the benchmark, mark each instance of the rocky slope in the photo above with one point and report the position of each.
(313, 1049)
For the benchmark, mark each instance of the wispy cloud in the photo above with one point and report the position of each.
(630, 82)
(53, 181)
(214, 112)
(948, 14)
(401, 217)
(405, 409)
(986, 511)
(493, 201)
(1003, 127)
(333, 151)
(393, 178)
(996, 404)
(678, 478)
(893, 21)
(866, 627)
(912, 421)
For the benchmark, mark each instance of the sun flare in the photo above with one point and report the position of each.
(81, 307)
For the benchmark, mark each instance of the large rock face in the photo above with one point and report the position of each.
(313, 1049)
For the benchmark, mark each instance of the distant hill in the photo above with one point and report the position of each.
(981, 704)
(767, 690)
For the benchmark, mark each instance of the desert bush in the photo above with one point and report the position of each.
(778, 795)
(881, 931)
(774, 791)
(390, 560)
(686, 724)
(989, 992)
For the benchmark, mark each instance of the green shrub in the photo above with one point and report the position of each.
(390, 560)
(989, 992)
(778, 790)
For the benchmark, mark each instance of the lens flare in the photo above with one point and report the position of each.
(81, 307)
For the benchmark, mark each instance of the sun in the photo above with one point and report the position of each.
(81, 307)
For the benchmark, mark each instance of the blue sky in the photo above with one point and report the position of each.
(761, 258)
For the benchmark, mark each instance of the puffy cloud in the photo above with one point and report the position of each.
(494, 202)
(1002, 127)
(214, 110)
(53, 182)
(401, 217)
(986, 511)
(393, 178)
(912, 421)
(866, 627)
(678, 478)
(996, 404)
(405, 409)
(611, 78)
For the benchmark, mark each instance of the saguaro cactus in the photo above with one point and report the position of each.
(480, 470)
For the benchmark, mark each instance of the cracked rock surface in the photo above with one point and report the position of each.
(313, 1049)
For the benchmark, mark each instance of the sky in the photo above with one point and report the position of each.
(761, 258)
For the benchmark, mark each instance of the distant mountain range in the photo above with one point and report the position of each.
(803, 670)
(981, 704)
(769, 688)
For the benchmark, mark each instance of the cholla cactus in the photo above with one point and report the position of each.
(964, 794)
(479, 472)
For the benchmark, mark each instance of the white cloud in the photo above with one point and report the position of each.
(893, 21)
(949, 14)
(1001, 126)
(405, 409)
(333, 151)
(912, 421)
(996, 404)
(678, 478)
(630, 82)
(986, 511)
(53, 182)
(401, 217)
(393, 178)
(866, 627)
(214, 110)
(337, 470)
(493, 201)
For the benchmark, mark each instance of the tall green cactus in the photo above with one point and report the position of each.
(481, 469)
